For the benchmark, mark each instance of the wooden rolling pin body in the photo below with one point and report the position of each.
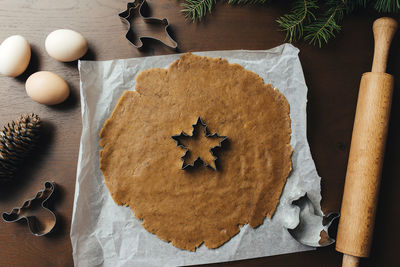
(365, 164)
(367, 150)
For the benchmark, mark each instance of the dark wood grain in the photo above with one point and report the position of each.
(332, 75)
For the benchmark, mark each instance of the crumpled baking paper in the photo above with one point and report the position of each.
(104, 234)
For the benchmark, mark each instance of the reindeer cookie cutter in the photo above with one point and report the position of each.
(152, 26)
(37, 205)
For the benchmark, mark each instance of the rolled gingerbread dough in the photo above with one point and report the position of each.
(142, 164)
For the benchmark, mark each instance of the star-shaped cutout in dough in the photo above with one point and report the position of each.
(199, 146)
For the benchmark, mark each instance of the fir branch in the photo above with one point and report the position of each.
(245, 2)
(387, 5)
(196, 9)
(303, 21)
(327, 26)
(301, 13)
(352, 5)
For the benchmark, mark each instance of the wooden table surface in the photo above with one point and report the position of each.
(332, 74)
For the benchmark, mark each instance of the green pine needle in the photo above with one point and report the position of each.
(324, 28)
(245, 2)
(301, 13)
(387, 6)
(351, 5)
(196, 9)
(315, 21)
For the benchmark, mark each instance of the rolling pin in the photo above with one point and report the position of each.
(367, 150)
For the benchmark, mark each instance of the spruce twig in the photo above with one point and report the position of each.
(292, 23)
(352, 5)
(326, 27)
(245, 2)
(196, 9)
(387, 6)
(313, 20)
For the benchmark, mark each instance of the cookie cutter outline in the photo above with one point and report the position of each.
(303, 203)
(46, 194)
(208, 135)
(127, 15)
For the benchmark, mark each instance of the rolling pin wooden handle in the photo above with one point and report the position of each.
(350, 261)
(384, 30)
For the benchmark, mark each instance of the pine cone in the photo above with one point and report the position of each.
(17, 139)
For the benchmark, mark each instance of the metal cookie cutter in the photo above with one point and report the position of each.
(206, 134)
(312, 224)
(36, 207)
(151, 28)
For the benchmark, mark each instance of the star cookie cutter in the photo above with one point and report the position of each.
(36, 226)
(208, 135)
(135, 9)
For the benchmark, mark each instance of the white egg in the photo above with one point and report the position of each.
(15, 54)
(66, 45)
(47, 88)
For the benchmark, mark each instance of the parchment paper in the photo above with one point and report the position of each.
(104, 234)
